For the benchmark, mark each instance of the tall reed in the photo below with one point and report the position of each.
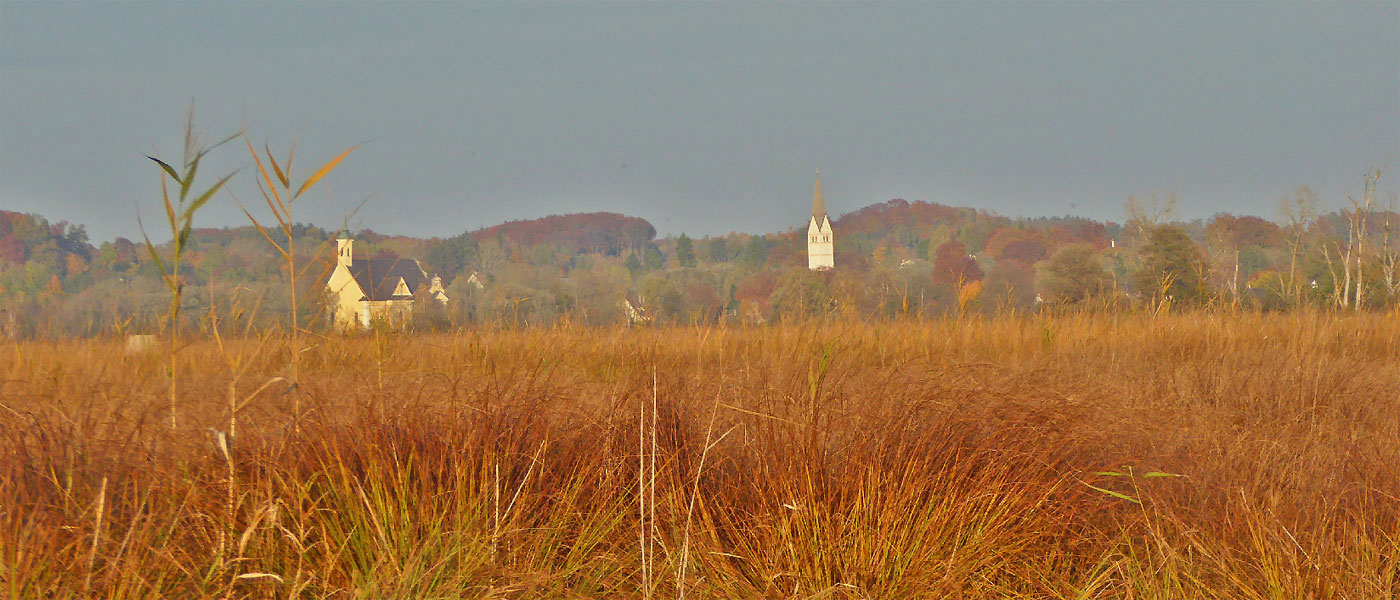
(180, 217)
(279, 194)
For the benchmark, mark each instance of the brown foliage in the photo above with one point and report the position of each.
(884, 216)
(952, 265)
(1241, 231)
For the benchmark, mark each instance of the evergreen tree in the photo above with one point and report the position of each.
(451, 256)
(633, 265)
(685, 251)
(756, 252)
(719, 250)
(652, 259)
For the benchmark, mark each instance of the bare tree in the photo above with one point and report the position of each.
(1299, 215)
(1224, 256)
(1390, 250)
(1144, 217)
(1351, 293)
(1360, 212)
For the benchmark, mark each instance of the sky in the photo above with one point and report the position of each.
(703, 118)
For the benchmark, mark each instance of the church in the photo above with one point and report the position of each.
(820, 254)
(365, 290)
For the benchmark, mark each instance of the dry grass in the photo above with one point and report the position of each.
(948, 459)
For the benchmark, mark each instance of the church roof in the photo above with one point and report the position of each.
(379, 277)
(818, 205)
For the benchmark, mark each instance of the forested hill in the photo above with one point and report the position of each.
(593, 233)
(893, 258)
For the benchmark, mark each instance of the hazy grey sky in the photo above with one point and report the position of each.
(705, 117)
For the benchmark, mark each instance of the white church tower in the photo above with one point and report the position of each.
(820, 256)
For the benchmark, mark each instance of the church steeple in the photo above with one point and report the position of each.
(344, 248)
(818, 205)
(820, 250)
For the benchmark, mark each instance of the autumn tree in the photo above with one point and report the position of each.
(12, 249)
(1172, 265)
(1009, 284)
(1003, 237)
(1074, 275)
(952, 265)
(1245, 230)
(1027, 251)
(755, 291)
(801, 293)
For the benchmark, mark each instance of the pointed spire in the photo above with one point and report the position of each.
(818, 205)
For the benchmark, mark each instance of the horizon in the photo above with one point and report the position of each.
(161, 237)
(701, 119)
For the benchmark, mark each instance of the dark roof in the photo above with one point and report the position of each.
(378, 277)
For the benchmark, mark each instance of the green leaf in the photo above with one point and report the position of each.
(184, 236)
(189, 179)
(169, 170)
(1109, 473)
(1160, 474)
(1113, 493)
(169, 210)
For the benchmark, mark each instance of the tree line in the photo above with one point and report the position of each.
(896, 259)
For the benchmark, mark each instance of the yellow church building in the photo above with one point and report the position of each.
(366, 290)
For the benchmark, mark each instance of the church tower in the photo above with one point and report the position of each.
(820, 256)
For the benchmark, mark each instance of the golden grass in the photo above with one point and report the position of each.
(925, 459)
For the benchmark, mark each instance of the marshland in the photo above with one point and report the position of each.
(1078, 455)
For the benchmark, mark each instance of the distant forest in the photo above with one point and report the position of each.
(894, 260)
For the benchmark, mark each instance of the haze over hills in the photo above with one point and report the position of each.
(892, 258)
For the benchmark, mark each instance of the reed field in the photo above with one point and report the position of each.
(1192, 455)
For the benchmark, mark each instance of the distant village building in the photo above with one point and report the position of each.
(365, 290)
(820, 254)
(636, 314)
